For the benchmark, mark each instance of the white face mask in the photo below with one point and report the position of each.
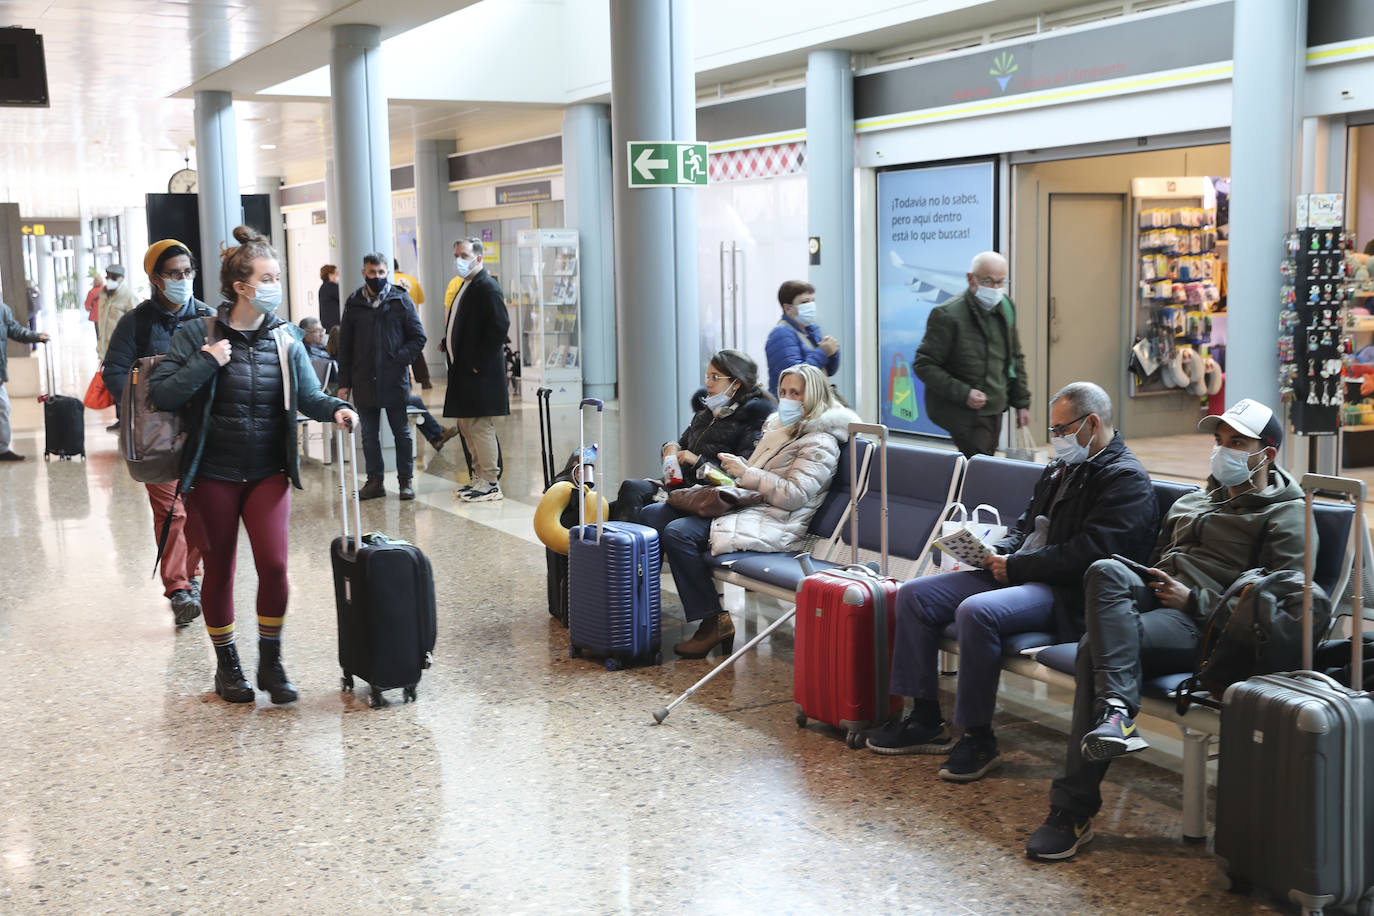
(1067, 449)
(988, 296)
(1231, 466)
(112, 285)
(806, 313)
(463, 266)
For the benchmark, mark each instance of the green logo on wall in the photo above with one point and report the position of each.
(1003, 66)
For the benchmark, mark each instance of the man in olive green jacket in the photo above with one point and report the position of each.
(970, 360)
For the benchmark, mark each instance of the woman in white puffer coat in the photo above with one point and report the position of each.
(792, 466)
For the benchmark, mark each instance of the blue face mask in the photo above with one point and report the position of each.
(789, 411)
(463, 266)
(177, 292)
(717, 402)
(267, 298)
(806, 313)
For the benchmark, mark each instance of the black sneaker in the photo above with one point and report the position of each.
(909, 737)
(185, 607)
(1059, 837)
(1114, 734)
(972, 758)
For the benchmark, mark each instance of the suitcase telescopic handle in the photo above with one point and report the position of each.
(878, 432)
(343, 484)
(596, 463)
(1354, 490)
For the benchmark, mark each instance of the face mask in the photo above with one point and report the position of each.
(376, 284)
(1067, 449)
(266, 299)
(177, 292)
(716, 402)
(789, 411)
(806, 313)
(463, 266)
(1231, 466)
(112, 285)
(988, 296)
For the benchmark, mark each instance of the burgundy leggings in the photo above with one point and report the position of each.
(213, 510)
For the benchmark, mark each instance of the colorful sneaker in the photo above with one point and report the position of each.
(972, 758)
(1115, 734)
(481, 492)
(909, 737)
(1059, 837)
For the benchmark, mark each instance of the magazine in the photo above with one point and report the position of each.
(966, 547)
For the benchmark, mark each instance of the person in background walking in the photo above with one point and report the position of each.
(242, 376)
(796, 338)
(330, 313)
(10, 329)
(116, 301)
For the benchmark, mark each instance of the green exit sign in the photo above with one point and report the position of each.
(667, 164)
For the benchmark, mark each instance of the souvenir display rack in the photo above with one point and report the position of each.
(550, 314)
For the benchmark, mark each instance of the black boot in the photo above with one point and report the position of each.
(271, 674)
(229, 680)
(373, 489)
(406, 490)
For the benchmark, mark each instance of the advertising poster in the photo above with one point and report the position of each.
(931, 222)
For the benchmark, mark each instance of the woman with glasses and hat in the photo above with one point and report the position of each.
(727, 416)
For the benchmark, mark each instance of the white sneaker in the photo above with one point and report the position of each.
(481, 492)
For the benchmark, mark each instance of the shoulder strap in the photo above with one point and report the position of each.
(143, 333)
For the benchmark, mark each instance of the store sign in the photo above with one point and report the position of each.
(59, 226)
(667, 164)
(931, 223)
(319, 217)
(526, 193)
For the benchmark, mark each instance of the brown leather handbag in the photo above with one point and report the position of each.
(713, 502)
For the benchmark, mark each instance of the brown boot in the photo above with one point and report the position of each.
(406, 490)
(713, 631)
(373, 489)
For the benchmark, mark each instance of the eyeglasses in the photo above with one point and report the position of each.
(1062, 429)
(188, 274)
(712, 378)
(991, 281)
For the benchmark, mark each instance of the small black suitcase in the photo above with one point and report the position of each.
(384, 596)
(555, 562)
(64, 421)
(1295, 782)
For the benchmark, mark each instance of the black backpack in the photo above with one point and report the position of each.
(1255, 629)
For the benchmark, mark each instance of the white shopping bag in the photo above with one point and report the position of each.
(1021, 445)
(957, 518)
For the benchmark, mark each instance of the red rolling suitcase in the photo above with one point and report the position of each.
(846, 623)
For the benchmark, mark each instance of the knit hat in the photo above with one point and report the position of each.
(740, 366)
(155, 250)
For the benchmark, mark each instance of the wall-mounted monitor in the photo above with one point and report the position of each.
(23, 69)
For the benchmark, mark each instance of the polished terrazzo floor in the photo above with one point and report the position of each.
(521, 782)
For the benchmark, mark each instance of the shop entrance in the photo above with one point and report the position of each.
(1086, 275)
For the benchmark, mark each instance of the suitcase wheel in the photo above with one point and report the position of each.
(410, 694)
(572, 651)
(612, 664)
(855, 740)
(658, 658)
(346, 683)
(801, 720)
(376, 700)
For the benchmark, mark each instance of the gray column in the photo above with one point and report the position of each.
(438, 222)
(276, 232)
(830, 200)
(331, 211)
(217, 172)
(658, 328)
(587, 179)
(1266, 100)
(362, 159)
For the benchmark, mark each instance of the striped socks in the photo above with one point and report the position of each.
(221, 636)
(269, 628)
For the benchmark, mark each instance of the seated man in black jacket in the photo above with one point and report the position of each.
(1093, 501)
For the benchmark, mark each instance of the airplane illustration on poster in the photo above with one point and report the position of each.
(934, 286)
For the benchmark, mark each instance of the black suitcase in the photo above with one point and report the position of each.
(555, 562)
(1295, 782)
(64, 421)
(384, 596)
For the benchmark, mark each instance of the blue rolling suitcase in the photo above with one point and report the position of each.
(614, 606)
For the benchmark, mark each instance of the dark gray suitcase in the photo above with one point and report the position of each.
(1295, 782)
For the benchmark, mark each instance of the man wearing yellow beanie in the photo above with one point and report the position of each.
(147, 331)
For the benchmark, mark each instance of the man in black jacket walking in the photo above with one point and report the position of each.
(477, 391)
(379, 338)
(1094, 501)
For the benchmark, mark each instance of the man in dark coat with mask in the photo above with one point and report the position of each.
(477, 391)
(379, 338)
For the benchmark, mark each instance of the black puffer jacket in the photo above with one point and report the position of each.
(1107, 506)
(737, 434)
(247, 424)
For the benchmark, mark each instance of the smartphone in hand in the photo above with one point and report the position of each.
(1139, 569)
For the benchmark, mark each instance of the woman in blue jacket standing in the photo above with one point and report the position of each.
(241, 377)
(796, 338)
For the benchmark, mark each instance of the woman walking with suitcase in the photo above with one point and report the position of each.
(241, 377)
(792, 467)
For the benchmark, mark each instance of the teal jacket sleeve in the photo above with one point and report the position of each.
(185, 369)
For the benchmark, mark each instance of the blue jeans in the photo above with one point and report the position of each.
(429, 427)
(983, 611)
(686, 540)
(371, 418)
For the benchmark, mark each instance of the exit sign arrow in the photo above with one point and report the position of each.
(646, 165)
(666, 164)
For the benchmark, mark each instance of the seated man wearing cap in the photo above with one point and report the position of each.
(1249, 515)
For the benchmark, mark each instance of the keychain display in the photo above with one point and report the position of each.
(1313, 325)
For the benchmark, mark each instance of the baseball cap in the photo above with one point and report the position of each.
(1249, 417)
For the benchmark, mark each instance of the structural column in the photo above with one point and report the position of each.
(276, 232)
(1270, 56)
(217, 173)
(438, 223)
(658, 330)
(830, 201)
(362, 159)
(587, 178)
